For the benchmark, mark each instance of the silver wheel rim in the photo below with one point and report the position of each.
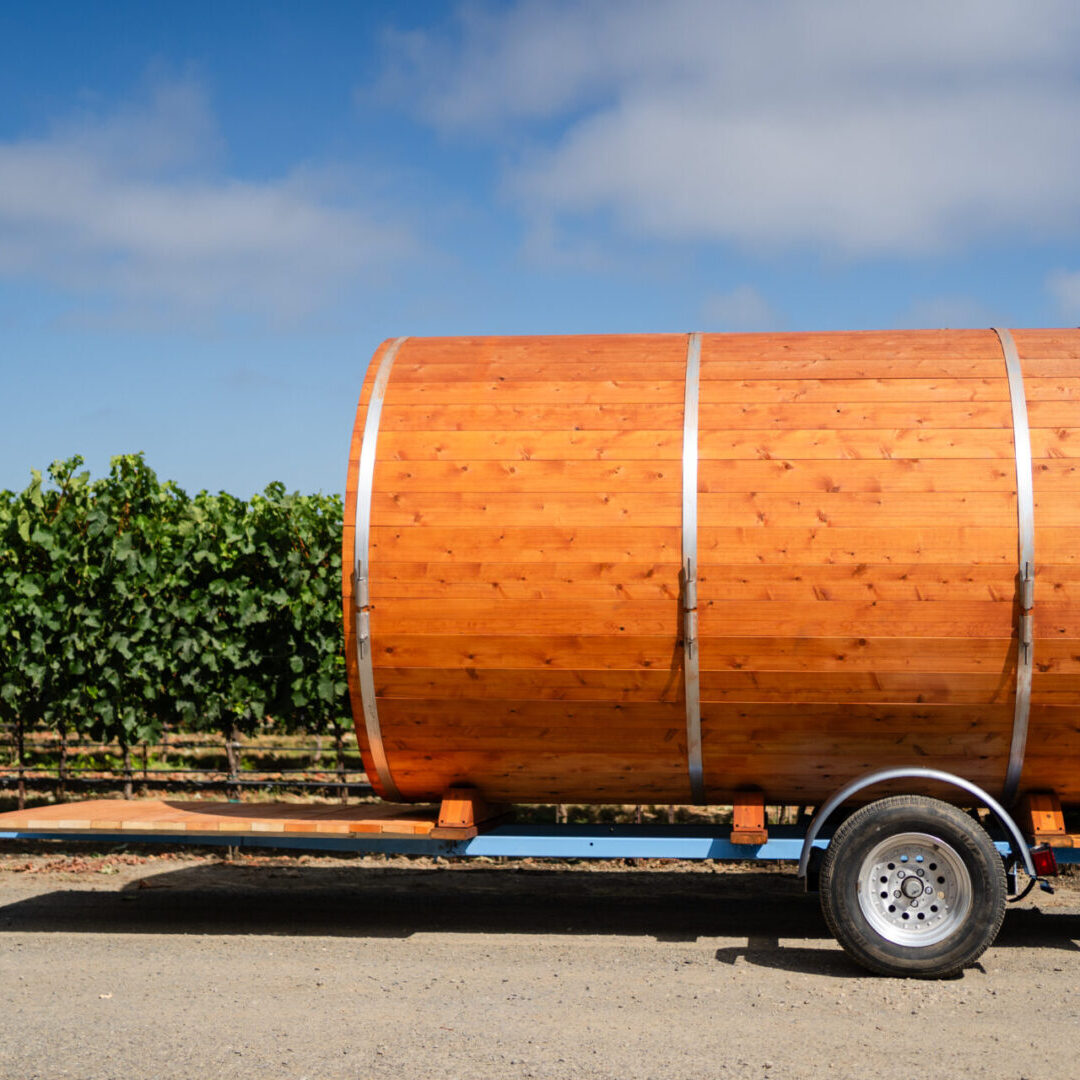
(914, 889)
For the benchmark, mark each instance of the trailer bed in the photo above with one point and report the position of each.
(196, 817)
(373, 828)
(392, 829)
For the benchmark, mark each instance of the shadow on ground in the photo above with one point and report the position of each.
(782, 926)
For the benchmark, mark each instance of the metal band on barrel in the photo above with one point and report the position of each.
(1025, 516)
(361, 597)
(689, 570)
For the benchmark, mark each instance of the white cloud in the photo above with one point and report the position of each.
(951, 313)
(129, 208)
(742, 309)
(1064, 287)
(565, 249)
(856, 128)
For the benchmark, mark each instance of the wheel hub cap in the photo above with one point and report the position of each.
(914, 889)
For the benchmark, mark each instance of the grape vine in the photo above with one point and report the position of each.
(126, 604)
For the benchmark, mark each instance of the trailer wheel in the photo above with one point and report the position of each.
(913, 886)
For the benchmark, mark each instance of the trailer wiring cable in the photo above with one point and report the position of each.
(1027, 889)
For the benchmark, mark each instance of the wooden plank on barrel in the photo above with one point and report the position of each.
(527, 545)
(850, 509)
(588, 371)
(856, 654)
(499, 615)
(865, 509)
(845, 416)
(747, 618)
(613, 416)
(533, 477)
(450, 509)
(874, 443)
(640, 445)
(544, 391)
(867, 475)
(550, 348)
(902, 347)
(725, 415)
(931, 582)
(478, 685)
(904, 390)
(568, 651)
(936, 543)
(537, 581)
(900, 618)
(726, 367)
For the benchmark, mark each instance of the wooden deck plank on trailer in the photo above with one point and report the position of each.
(167, 815)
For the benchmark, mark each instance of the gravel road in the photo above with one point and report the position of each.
(176, 967)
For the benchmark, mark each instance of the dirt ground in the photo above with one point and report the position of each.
(170, 966)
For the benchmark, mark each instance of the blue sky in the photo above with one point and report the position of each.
(211, 214)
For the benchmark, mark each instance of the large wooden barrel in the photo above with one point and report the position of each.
(531, 560)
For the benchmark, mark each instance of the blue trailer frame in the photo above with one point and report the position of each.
(694, 842)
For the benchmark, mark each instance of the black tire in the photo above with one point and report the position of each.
(912, 886)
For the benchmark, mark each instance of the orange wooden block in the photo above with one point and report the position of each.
(748, 819)
(1041, 816)
(462, 812)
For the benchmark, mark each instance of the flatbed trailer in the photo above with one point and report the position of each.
(920, 873)
(403, 830)
(380, 829)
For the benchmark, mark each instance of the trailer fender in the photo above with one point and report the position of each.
(879, 776)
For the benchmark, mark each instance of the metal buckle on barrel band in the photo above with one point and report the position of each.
(1025, 520)
(361, 598)
(689, 571)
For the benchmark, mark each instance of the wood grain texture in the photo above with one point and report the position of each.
(532, 477)
(158, 815)
(540, 581)
(450, 509)
(528, 543)
(904, 474)
(857, 562)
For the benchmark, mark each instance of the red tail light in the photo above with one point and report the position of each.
(1045, 861)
